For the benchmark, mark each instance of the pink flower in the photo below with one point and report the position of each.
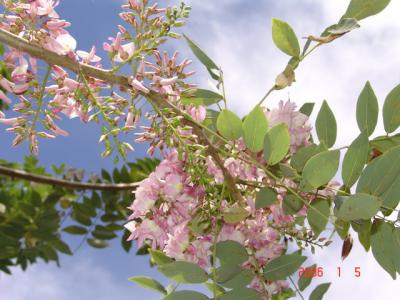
(137, 85)
(199, 251)
(4, 97)
(229, 232)
(89, 57)
(46, 8)
(197, 113)
(147, 230)
(177, 242)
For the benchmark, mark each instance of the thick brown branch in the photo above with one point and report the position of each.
(9, 172)
(106, 75)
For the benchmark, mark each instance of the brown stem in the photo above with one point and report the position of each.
(107, 75)
(9, 172)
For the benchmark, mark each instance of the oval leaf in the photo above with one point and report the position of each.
(361, 9)
(231, 252)
(285, 38)
(276, 143)
(229, 125)
(95, 243)
(235, 214)
(321, 168)
(391, 110)
(319, 292)
(282, 267)
(318, 215)
(326, 125)
(265, 197)
(201, 97)
(204, 59)
(184, 272)
(305, 279)
(355, 159)
(367, 110)
(359, 206)
(240, 294)
(149, 283)
(75, 230)
(255, 126)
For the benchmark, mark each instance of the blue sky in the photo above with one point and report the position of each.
(236, 34)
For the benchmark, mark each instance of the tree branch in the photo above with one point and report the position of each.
(9, 172)
(106, 75)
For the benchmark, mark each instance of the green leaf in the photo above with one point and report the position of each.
(345, 25)
(381, 178)
(319, 292)
(342, 228)
(282, 267)
(233, 215)
(363, 229)
(391, 110)
(201, 97)
(355, 159)
(396, 248)
(255, 126)
(61, 246)
(184, 272)
(321, 168)
(95, 243)
(276, 144)
(284, 295)
(229, 125)
(231, 252)
(103, 233)
(291, 204)
(307, 108)
(226, 272)
(319, 216)
(186, 295)
(215, 288)
(159, 258)
(243, 278)
(367, 110)
(240, 294)
(204, 59)
(361, 9)
(359, 206)
(265, 197)
(300, 158)
(1, 49)
(305, 279)
(326, 125)
(75, 230)
(148, 283)
(285, 38)
(381, 245)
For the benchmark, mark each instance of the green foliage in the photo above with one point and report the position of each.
(361, 9)
(241, 279)
(345, 25)
(201, 97)
(382, 246)
(321, 168)
(305, 280)
(359, 206)
(184, 272)
(240, 294)
(355, 159)
(265, 197)
(367, 110)
(276, 144)
(229, 125)
(382, 178)
(149, 283)
(282, 267)
(326, 125)
(318, 215)
(212, 68)
(231, 253)
(38, 217)
(363, 229)
(291, 204)
(307, 108)
(319, 292)
(391, 110)
(285, 38)
(255, 126)
(233, 215)
(301, 157)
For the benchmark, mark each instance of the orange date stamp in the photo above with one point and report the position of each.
(312, 272)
